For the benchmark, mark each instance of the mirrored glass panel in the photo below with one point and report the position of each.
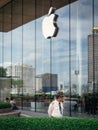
(46, 47)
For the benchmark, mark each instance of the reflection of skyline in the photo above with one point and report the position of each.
(45, 82)
(60, 46)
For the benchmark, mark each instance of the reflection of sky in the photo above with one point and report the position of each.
(81, 14)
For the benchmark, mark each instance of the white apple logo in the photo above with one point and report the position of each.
(49, 24)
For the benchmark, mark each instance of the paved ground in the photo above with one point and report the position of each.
(33, 114)
(27, 113)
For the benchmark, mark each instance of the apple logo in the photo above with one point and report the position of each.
(49, 24)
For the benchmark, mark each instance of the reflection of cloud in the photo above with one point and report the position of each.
(6, 64)
(62, 58)
(83, 17)
(31, 57)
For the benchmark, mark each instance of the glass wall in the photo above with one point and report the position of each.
(37, 67)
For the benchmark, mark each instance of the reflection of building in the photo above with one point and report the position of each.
(25, 73)
(49, 82)
(5, 87)
(93, 59)
(38, 84)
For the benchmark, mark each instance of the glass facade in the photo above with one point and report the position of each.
(36, 67)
